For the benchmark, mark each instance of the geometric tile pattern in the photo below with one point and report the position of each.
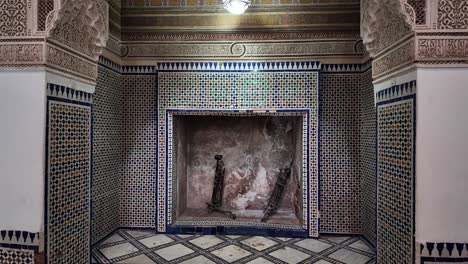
(16, 256)
(431, 252)
(367, 168)
(395, 179)
(230, 249)
(340, 189)
(138, 181)
(108, 126)
(20, 239)
(234, 86)
(68, 176)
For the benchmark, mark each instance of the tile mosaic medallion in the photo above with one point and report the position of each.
(274, 88)
(68, 171)
(128, 246)
(395, 178)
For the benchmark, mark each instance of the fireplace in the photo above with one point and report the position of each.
(262, 118)
(254, 148)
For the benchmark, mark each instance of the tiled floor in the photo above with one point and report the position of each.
(136, 246)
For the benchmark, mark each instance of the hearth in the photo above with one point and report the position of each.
(255, 148)
(261, 117)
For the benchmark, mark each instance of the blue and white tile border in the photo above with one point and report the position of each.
(436, 252)
(15, 239)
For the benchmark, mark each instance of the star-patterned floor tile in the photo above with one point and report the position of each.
(141, 259)
(259, 243)
(196, 249)
(313, 245)
(231, 253)
(198, 260)
(259, 261)
(138, 233)
(361, 246)
(112, 239)
(349, 257)
(206, 241)
(154, 241)
(173, 252)
(289, 255)
(118, 250)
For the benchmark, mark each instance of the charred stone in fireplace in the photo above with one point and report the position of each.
(218, 187)
(277, 194)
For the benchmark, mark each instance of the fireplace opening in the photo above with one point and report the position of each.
(254, 150)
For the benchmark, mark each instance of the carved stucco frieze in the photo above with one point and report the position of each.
(81, 25)
(442, 48)
(435, 32)
(394, 60)
(384, 23)
(71, 64)
(243, 49)
(75, 34)
(236, 36)
(21, 53)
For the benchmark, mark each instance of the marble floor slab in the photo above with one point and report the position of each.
(149, 247)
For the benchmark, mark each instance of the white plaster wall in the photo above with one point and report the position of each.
(22, 134)
(442, 155)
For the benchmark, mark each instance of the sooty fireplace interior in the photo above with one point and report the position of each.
(255, 149)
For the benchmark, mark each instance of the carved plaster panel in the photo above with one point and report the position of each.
(71, 64)
(452, 14)
(242, 49)
(75, 32)
(243, 36)
(13, 18)
(211, 3)
(394, 60)
(384, 23)
(81, 25)
(442, 49)
(21, 53)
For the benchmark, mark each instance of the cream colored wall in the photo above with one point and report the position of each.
(22, 156)
(442, 155)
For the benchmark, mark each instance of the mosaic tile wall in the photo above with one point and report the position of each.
(395, 177)
(16, 256)
(367, 168)
(107, 152)
(138, 185)
(341, 112)
(234, 86)
(340, 193)
(68, 177)
(18, 247)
